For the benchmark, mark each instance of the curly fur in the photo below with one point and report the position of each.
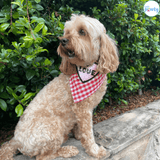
(52, 114)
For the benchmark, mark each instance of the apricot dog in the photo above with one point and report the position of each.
(67, 102)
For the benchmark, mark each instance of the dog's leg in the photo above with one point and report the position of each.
(8, 149)
(76, 132)
(68, 151)
(84, 120)
(65, 138)
(65, 152)
(53, 149)
(48, 155)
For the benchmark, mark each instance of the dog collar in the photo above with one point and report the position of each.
(85, 82)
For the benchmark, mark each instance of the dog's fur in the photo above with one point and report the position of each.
(52, 114)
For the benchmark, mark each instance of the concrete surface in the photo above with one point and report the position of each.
(134, 135)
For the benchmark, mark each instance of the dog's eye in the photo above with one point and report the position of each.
(82, 32)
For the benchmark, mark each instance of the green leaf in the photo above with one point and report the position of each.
(16, 15)
(14, 79)
(106, 100)
(17, 3)
(22, 22)
(22, 1)
(30, 74)
(154, 18)
(44, 30)
(22, 94)
(1, 76)
(36, 19)
(37, 1)
(135, 16)
(3, 20)
(20, 88)
(12, 101)
(61, 26)
(28, 96)
(143, 21)
(38, 40)
(47, 62)
(109, 81)
(30, 57)
(19, 110)
(4, 26)
(39, 7)
(1, 87)
(39, 27)
(125, 102)
(15, 45)
(28, 44)
(3, 105)
(9, 90)
(15, 96)
(27, 38)
(54, 72)
(4, 95)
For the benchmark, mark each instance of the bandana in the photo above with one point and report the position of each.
(85, 82)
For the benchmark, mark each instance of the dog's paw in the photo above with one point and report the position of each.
(96, 151)
(78, 137)
(68, 151)
(102, 152)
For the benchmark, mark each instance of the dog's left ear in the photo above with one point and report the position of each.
(108, 60)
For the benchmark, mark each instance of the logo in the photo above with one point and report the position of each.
(151, 8)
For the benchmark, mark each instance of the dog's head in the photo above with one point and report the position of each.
(85, 42)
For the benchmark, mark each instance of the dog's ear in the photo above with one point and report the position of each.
(108, 60)
(66, 67)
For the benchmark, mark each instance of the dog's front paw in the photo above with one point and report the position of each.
(97, 151)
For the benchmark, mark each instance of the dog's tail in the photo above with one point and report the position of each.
(8, 149)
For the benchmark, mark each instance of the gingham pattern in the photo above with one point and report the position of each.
(81, 91)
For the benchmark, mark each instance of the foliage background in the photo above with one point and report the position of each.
(29, 31)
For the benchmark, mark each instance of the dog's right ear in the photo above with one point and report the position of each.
(66, 67)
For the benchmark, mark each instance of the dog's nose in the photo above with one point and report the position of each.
(64, 41)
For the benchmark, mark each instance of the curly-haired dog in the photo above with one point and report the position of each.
(66, 103)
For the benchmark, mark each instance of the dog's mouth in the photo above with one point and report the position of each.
(70, 53)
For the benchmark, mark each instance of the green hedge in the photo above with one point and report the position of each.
(138, 41)
(29, 31)
(28, 57)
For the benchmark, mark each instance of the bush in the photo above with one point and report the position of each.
(28, 58)
(28, 36)
(138, 41)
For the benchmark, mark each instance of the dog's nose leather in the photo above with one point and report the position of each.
(64, 41)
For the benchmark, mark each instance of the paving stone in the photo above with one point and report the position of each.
(22, 157)
(154, 106)
(81, 156)
(152, 151)
(130, 156)
(136, 132)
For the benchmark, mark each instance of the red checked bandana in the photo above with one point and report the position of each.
(85, 82)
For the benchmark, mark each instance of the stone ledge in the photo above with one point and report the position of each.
(132, 135)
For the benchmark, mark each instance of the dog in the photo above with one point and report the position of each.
(67, 102)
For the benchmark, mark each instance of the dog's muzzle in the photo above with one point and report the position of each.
(70, 54)
(64, 41)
